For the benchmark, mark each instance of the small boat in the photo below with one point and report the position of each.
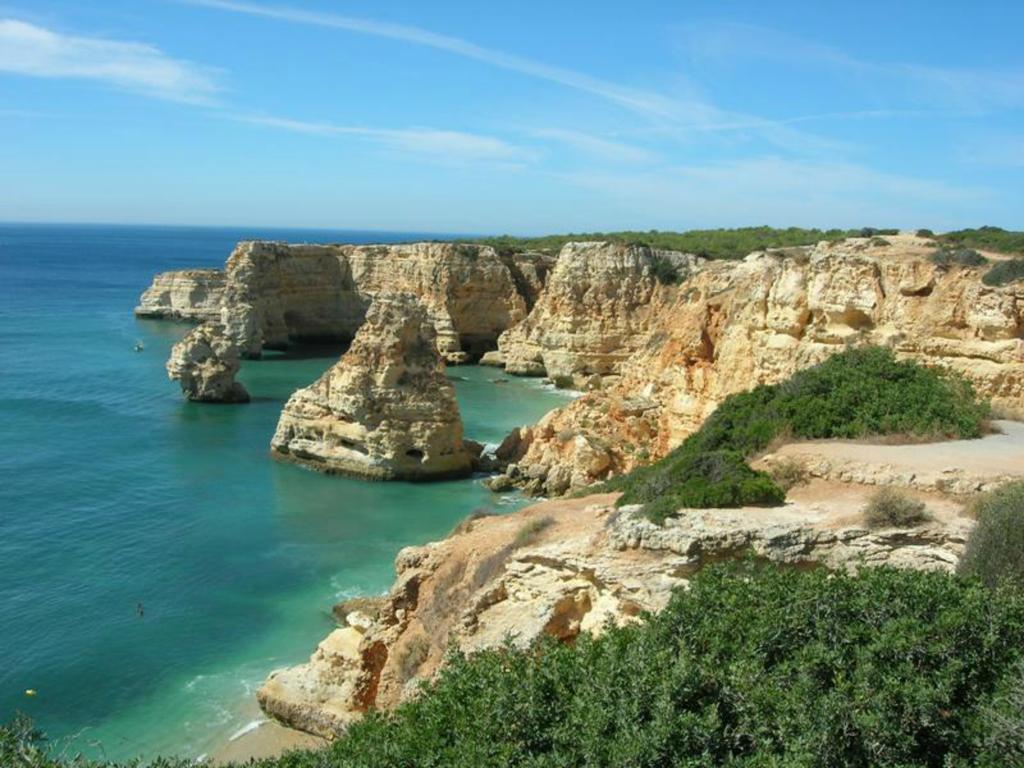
(138, 346)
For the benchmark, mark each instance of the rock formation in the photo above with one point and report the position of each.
(570, 566)
(592, 314)
(187, 294)
(732, 325)
(278, 293)
(205, 363)
(385, 410)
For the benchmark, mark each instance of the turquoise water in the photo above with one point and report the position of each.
(114, 491)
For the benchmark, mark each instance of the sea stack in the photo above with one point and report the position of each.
(205, 363)
(385, 410)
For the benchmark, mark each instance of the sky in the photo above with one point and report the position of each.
(513, 117)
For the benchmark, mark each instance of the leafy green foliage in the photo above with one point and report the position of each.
(665, 272)
(1004, 744)
(924, 233)
(892, 508)
(854, 394)
(748, 668)
(962, 257)
(710, 243)
(995, 549)
(986, 238)
(703, 479)
(1004, 272)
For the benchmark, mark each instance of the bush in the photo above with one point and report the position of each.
(891, 508)
(788, 473)
(963, 257)
(857, 393)
(749, 668)
(924, 233)
(531, 529)
(995, 548)
(1004, 744)
(1004, 272)
(987, 238)
(879, 242)
(706, 479)
(665, 271)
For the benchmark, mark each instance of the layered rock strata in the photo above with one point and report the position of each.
(593, 312)
(730, 326)
(565, 567)
(278, 293)
(385, 410)
(187, 294)
(205, 363)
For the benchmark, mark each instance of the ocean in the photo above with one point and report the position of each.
(115, 492)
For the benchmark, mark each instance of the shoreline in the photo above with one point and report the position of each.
(258, 739)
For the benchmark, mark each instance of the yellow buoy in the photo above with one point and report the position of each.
(30, 692)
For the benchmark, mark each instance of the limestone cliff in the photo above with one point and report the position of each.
(732, 325)
(187, 294)
(278, 293)
(385, 410)
(593, 312)
(570, 566)
(205, 363)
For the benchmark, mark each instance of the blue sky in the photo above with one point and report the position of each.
(524, 117)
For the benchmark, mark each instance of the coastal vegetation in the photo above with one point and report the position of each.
(893, 508)
(857, 393)
(751, 666)
(709, 243)
(1005, 272)
(985, 238)
(995, 551)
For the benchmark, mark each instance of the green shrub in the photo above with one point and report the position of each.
(856, 393)
(1004, 743)
(749, 668)
(995, 548)
(706, 479)
(1004, 272)
(879, 242)
(963, 257)
(891, 508)
(665, 271)
(925, 233)
(987, 238)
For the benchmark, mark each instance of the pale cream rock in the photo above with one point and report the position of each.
(187, 294)
(385, 410)
(592, 313)
(205, 363)
(733, 325)
(279, 293)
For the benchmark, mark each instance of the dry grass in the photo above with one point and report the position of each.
(531, 529)
(788, 473)
(891, 508)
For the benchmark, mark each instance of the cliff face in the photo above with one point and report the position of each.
(205, 363)
(385, 410)
(731, 326)
(187, 294)
(592, 314)
(278, 293)
(580, 564)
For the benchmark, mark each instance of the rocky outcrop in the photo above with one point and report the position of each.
(593, 312)
(277, 293)
(385, 410)
(187, 294)
(732, 325)
(566, 567)
(205, 363)
(530, 271)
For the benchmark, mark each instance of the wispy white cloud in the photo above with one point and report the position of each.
(958, 88)
(635, 99)
(595, 146)
(457, 146)
(677, 116)
(28, 49)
